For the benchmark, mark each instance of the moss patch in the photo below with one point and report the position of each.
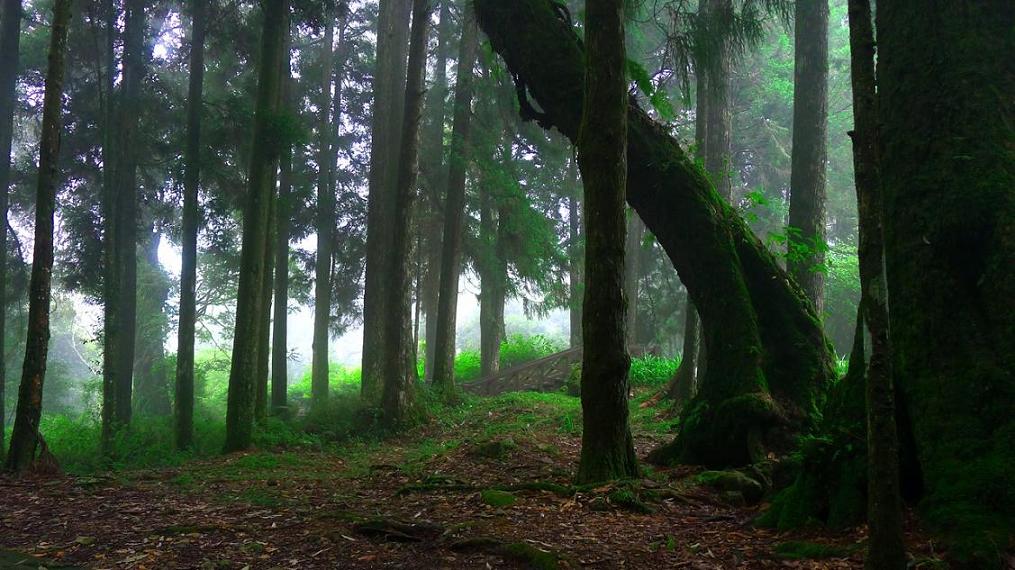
(496, 498)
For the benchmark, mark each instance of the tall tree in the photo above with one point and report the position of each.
(886, 549)
(191, 224)
(386, 129)
(810, 125)
(432, 173)
(400, 363)
(766, 352)
(945, 116)
(575, 251)
(120, 275)
(632, 273)
(10, 44)
(607, 447)
(25, 436)
(325, 219)
(454, 210)
(256, 220)
(283, 224)
(685, 380)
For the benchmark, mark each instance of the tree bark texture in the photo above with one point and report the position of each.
(184, 411)
(575, 254)
(433, 172)
(325, 222)
(632, 274)
(607, 447)
(768, 359)
(10, 42)
(885, 547)
(400, 363)
(25, 437)
(386, 128)
(256, 220)
(945, 115)
(806, 235)
(454, 210)
(283, 222)
(120, 277)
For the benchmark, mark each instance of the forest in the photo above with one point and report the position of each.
(546, 284)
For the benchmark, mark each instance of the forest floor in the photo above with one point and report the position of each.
(486, 487)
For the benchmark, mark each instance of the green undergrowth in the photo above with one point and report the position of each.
(343, 426)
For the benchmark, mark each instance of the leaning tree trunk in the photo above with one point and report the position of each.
(945, 116)
(386, 128)
(806, 232)
(325, 224)
(191, 225)
(454, 211)
(256, 220)
(25, 436)
(684, 383)
(10, 40)
(768, 359)
(400, 366)
(886, 548)
(607, 446)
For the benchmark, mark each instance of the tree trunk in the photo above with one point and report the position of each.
(575, 253)
(806, 256)
(632, 274)
(886, 548)
(279, 336)
(684, 383)
(454, 210)
(256, 220)
(25, 436)
(493, 277)
(325, 223)
(386, 128)
(400, 366)
(263, 370)
(945, 123)
(120, 278)
(151, 375)
(768, 360)
(607, 447)
(191, 227)
(10, 41)
(433, 173)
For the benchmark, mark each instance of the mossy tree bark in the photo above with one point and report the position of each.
(945, 115)
(386, 128)
(454, 211)
(10, 43)
(325, 221)
(256, 219)
(806, 233)
(886, 548)
(400, 364)
(767, 357)
(25, 436)
(184, 410)
(607, 447)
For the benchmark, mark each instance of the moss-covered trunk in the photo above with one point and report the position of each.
(768, 359)
(256, 222)
(607, 448)
(25, 436)
(946, 124)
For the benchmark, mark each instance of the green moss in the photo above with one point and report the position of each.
(531, 556)
(496, 449)
(627, 498)
(497, 498)
(733, 481)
